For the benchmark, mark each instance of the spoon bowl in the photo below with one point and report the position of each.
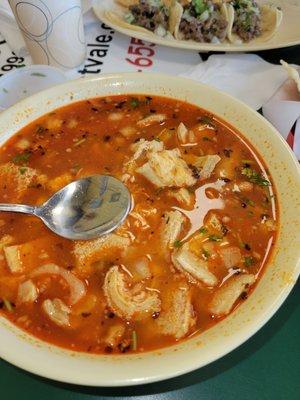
(84, 209)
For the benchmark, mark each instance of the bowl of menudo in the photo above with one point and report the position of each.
(207, 254)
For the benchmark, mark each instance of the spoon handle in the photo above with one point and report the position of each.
(21, 208)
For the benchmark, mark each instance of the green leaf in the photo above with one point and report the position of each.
(255, 177)
(134, 102)
(205, 253)
(206, 119)
(203, 230)
(22, 170)
(177, 244)
(38, 74)
(21, 158)
(249, 261)
(215, 238)
(248, 201)
(199, 6)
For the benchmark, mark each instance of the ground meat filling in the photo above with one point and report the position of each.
(149, 15)
(247, 21)
(209, 27)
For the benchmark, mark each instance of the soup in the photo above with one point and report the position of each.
(198, 237)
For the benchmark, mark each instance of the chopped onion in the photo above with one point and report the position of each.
(160, 31)
(187, 16)
(129, 18)
(215, 40)
(204, 16)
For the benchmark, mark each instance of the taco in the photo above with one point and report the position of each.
(248, 21)
(199, 20)
(149, 15)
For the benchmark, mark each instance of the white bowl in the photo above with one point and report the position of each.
(50, 361)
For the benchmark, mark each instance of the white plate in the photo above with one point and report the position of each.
(287, 35)
(50, 361)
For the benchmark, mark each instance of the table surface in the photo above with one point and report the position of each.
(266, 367)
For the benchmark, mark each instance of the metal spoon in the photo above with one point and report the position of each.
(84, 209)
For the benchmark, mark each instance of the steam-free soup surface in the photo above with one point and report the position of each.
(191, 250)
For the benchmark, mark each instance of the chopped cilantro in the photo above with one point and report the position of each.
(38, 74)
(134, 102)
(22, 170)
(177, 244)
(249, 261)
(248, 201)
(21, 158)
(205, 253)
(255, 177)
(203, 230)
(199, 6)
(206, 119)
(215, 238)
